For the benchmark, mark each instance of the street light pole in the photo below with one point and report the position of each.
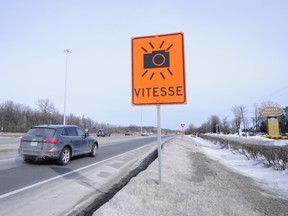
(67, 51)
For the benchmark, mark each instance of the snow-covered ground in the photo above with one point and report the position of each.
(276, 179)
(176, 196)
(254, 139)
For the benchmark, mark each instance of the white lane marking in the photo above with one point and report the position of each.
(60, 176)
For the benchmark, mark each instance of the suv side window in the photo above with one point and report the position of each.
(80, 132)
(71, 131)
(64, 132)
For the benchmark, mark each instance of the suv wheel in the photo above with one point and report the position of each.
(94, 150)
(64, 156)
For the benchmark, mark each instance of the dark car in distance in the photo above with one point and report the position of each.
(59, 142)
(128, 133)
(103, 133)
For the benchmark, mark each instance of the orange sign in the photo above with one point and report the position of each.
(158, 70)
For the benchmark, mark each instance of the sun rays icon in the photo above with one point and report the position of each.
(159, 58)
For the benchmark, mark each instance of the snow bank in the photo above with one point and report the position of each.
(177, 196)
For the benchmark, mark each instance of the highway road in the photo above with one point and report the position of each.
(18, 179)
(15, 173)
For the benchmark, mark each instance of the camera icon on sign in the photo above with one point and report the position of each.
(157, 59)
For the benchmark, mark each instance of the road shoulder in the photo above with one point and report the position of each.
(192, 184)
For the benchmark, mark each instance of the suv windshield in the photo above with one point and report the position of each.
(43, 132)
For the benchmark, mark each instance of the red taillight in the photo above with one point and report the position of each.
(51, 141)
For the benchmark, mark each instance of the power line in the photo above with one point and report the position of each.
(280, 91)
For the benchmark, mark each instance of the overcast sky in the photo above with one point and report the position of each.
(236, 53)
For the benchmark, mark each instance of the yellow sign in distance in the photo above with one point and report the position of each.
(158, 70)
(273, 127)
(272, 111)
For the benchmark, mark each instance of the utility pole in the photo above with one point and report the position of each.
(67, 51)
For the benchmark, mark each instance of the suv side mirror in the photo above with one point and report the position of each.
(86, 132)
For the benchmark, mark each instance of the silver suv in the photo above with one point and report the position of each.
(60, 142)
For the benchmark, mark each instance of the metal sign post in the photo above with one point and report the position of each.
(182, 131)
(159, 145)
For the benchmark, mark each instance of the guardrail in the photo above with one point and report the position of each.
(2, 134)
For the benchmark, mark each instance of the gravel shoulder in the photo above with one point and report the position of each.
(192, 184)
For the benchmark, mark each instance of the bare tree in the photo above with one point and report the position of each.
(237, 117)
(8, 116)
(243, 111)
(205, 127)
(47, 108)
(256, 119)
(269, 104)
(19, 118)
(73, 120)
(225, 125)
(240, 115)
(191, 129)
(214, 122)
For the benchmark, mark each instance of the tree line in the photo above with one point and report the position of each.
(242, 119)
(15, 117)
(18, 118)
